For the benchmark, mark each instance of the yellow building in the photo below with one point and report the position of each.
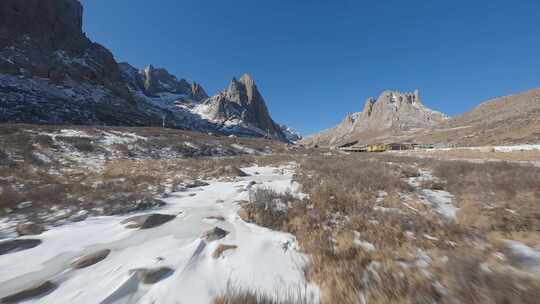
(376, 148)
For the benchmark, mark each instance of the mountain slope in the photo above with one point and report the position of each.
(51, 73)
(513, 119)
(391, 113)
(241, 105)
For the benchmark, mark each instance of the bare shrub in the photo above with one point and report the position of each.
(239, 295)
(82, 144)
(268, 208)
(468, 282)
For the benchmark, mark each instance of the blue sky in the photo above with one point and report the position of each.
(314, 61)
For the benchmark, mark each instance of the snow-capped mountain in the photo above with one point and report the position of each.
(240, 109)
(51, 73)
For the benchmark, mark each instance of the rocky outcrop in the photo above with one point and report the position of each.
(396, 111)
(152, 82)
(392, 112)
(242, 101)
(197, 92)
(51, 73)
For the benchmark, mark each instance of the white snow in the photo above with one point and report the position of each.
(524, 256)
(266, 261)
(516, 148)
(440, 200)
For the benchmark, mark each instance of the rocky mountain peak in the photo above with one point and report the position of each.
(243, 101)
(391, 112)
(159, 80)
(197, 92)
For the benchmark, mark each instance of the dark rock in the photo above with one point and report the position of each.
(17, 245)
(29, 229)
(152, 276)
(195, 184)
(242, 100)
(122, 205)
(215, 234)
(90, 259)
(147, 221)
(30, 292)
(216, 217)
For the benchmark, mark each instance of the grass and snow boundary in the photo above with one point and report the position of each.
(256, 258)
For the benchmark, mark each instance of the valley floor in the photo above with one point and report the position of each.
(196, 269)
(295, 225)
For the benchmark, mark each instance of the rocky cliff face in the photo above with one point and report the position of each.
(390, 113)
(51, 73)
(396, 111)
(153, 82)
(242, 102)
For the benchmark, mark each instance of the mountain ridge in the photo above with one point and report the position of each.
(391, 112)
(51, 73)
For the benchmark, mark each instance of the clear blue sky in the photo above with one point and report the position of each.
(314, 61)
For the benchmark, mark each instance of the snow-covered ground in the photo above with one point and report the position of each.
(441, 201)
(265, 261)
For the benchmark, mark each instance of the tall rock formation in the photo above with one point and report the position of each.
(392, 112)
(242, 102)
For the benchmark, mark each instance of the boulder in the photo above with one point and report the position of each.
(152, 276)
(216, 217)
(147, 221)
(17, 245)
(90, 259)
(222, 248)
(29, 229)
(215, 234)
(195, 184)
(30, 292)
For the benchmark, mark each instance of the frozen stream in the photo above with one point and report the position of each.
(264, 260)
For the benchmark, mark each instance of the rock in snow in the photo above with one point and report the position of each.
(147, 221)
(152, 276)
(90, 259)
(12, 246)
(29, 229)
(215, 234)
(30, 292)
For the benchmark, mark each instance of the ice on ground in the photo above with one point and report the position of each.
(524, 256)
(115, 137)
(517, 148)
(440, 200)
(266, 261)
(245, 149)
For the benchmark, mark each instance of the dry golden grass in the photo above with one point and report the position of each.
(485, 153)
(339, 212)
